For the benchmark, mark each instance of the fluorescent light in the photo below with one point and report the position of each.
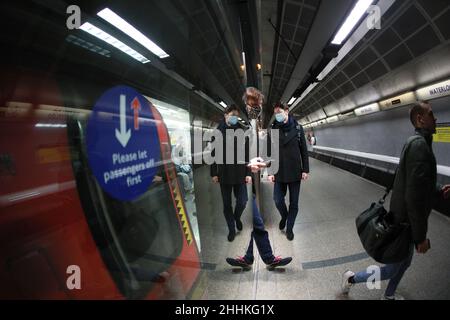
(131, 31)
(356, 14)
(304, 94)
(292, 101)
(102, 35)
(87, 45)
(223, 104)
(50, 125)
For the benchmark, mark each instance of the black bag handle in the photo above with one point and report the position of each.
(389, 189)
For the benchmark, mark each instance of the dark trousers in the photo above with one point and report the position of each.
(240, 193)
(261, 237)
(279, 195)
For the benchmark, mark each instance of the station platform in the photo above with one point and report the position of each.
(326, 244)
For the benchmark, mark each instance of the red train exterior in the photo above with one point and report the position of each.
(44, 225)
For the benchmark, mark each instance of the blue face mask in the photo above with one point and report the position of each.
(280, 117)
(233, 120)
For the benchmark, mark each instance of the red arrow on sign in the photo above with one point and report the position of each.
(135, 105)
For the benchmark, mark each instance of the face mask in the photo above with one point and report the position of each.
(233, 120)
(254, 112)
(280, 117)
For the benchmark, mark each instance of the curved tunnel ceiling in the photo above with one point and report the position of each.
(411, 47)
(205, 39)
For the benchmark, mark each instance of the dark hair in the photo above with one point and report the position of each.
(231, 108)
(281, 106)
(417, 109)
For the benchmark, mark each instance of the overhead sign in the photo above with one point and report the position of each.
(399, 101)
(122, 143)
(332, 119)
(437, 90)
(442, 133)
(346, 116)
(372, 108)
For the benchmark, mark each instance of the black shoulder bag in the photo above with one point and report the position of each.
(385, 241)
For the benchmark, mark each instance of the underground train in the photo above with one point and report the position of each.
(70, 228)
(56, 221)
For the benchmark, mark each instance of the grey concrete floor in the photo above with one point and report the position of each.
(325, 244)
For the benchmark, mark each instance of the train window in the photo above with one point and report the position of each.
(139, 239)
(54, 212)
(177, 121)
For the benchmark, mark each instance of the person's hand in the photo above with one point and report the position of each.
(256, 164)
(272, 179)
(446, 192)
(305, 176)
(157, 179)
(215, 179)
(423, 247)
(248, 180)
(255, 168)
(256, 160)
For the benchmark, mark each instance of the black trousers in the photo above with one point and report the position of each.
(240, 193)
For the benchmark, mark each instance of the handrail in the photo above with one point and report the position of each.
(442, 170)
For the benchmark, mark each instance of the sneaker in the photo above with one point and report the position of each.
(279, 262)
(394, 297)
(290, 235)
(239, 262)
(282, 224)
(239, 225)
(231, 236)
(346, 284)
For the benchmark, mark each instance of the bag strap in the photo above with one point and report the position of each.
(389, 189)
(408, 143)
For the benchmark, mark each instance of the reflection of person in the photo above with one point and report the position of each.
(412, 197)
(253, 99)
(183, 168)
(313, 140)
(232, 177)
(293, 167)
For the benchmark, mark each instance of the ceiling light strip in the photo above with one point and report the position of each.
(118, 22)
(362, 30)
(102, 35)
(358, 11)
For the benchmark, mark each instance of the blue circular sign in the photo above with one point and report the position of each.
(122, 143)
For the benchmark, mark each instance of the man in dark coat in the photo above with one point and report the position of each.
(293, 166)
(413, 194)
(232, 176)
(415, 189)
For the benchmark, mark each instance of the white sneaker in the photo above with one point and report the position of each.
(346, 285)
(394, 297)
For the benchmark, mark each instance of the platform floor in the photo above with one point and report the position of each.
(325, 244)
